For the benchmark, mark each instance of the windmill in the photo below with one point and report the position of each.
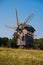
(23, 31)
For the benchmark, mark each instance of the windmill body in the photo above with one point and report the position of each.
(24, 38)
(24, 32)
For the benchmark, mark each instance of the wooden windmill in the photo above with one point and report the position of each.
(24, 32)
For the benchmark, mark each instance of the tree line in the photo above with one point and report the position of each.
(12, 43)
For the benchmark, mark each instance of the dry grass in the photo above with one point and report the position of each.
(10, 56)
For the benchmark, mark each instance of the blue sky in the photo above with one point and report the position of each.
(24, 7)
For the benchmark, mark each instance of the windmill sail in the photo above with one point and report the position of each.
(18, 23)
(11, 27)
(29, 18)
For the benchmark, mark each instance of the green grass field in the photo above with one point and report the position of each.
(10, 56)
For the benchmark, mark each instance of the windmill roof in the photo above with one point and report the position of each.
(29, 28)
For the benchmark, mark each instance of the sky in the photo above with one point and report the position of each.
(24, 8)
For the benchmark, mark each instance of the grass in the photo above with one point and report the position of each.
(10, 56)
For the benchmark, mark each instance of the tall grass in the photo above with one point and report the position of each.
(10, 56)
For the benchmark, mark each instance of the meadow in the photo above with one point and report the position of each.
(9, 56)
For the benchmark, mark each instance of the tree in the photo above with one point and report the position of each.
(38, 44)
(14, 43)
(9, 42)
(4, 41)
(0, 41)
